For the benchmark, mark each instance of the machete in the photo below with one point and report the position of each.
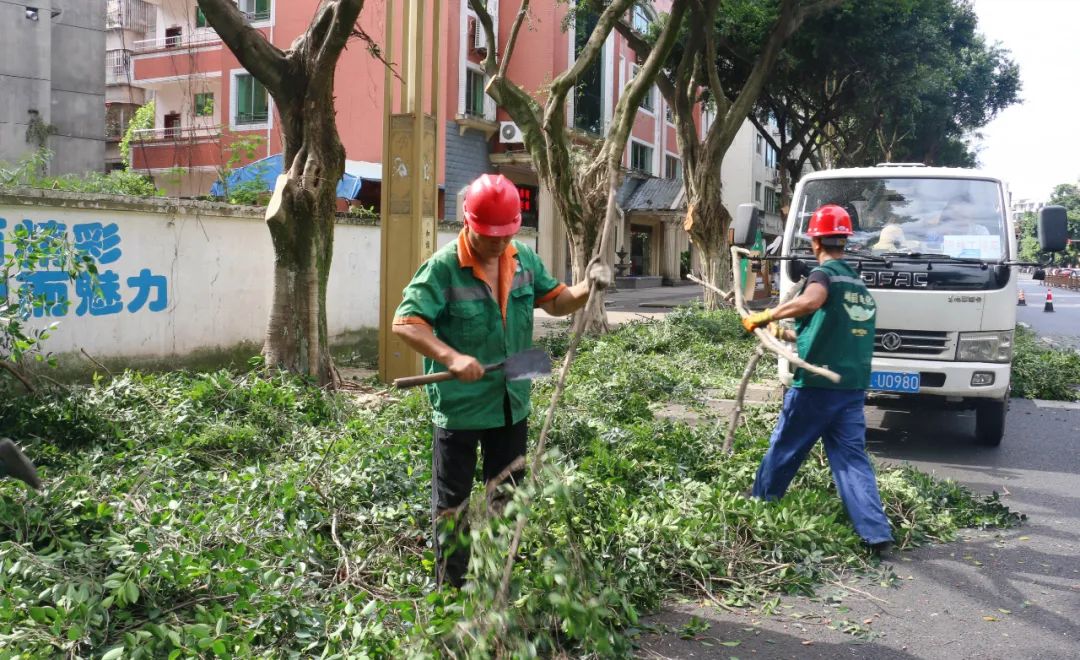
(532, 363)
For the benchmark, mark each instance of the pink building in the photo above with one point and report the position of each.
(205, 102)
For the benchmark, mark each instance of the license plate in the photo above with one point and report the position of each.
(894, 381)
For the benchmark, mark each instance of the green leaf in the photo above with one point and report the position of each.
(115, 653)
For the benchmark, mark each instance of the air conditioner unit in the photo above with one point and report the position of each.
(509, 133)
(479, 41)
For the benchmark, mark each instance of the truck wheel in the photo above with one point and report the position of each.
(990, 422)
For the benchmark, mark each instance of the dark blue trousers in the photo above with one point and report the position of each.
(837, 417)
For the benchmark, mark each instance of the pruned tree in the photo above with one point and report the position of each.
(695, 75)
(301, 82)
(578, 171)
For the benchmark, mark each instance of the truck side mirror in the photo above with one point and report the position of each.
(1053, 228)
(744, 229)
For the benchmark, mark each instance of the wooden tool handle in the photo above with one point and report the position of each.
(414, 381)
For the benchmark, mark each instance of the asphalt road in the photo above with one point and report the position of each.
(1063, 325)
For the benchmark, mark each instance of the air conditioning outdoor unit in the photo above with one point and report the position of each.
(479, 41)
(509, 133)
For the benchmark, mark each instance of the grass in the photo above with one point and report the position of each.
(243, 515)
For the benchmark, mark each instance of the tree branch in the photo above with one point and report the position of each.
(343, 15)
(268, 63)
(512, 41)
(564, 82)
(626, 109)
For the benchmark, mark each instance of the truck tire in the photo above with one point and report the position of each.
(990, 422)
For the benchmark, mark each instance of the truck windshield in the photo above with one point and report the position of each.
(960, 218)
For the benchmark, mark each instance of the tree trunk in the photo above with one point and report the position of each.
(303, 239)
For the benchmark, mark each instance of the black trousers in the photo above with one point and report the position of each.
(452, 472)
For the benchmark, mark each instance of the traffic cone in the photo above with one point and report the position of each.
(1021, 301)
(1049, 306)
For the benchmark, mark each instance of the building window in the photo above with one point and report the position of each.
(758, 142)
(641, 19)
(772, 201)
(474, 93)
(672, 167)
(669, 116)
(204, 105)
(529, 196)
(173, 36)
(200, 18)
(757, 191)
(770, 156)
(257, 10)
(588, 91)
(252, 103)
(648, 102)
(641, 157)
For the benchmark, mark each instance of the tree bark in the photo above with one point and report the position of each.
(579, 182)
(301, 82)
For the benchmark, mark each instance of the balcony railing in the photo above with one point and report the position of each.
(134, 15)
(243, 118)
(178, 41)
(175, 133)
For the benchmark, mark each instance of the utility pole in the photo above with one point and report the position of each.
(410, 169)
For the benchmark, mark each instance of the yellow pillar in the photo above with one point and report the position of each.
(409, 206)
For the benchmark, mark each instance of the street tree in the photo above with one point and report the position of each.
(578, 170)
(301, 82)
(695, 74)
(934, 88)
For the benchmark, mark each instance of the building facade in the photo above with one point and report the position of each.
(53, 83)
(205, 102)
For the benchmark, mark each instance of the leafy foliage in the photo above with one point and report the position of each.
(29, 172)
(143, 119)
(1041, 372)
(32, 250)
(254, 515)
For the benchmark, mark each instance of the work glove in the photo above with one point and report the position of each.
(776, 330)
(757, 320)
(598, 273)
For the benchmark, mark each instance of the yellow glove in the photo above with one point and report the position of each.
(776, 330)
(757, 320)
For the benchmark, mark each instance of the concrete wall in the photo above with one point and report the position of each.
(206, 268)
(54, 65)
(25, 70)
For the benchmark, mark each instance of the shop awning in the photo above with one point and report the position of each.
(267, 170)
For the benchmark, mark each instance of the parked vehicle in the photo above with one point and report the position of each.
(936, 246)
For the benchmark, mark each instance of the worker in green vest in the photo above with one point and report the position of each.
(834, 328)
(469, 305)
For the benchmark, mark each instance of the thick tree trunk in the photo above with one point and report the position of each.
(303, 239)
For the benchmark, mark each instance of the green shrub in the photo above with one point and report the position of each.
(1041, 372)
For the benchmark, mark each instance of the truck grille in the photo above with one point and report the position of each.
(911, 342)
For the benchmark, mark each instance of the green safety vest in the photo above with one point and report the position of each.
(463, 312)
(840, 334)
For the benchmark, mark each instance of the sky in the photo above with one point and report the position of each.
(1035, 145)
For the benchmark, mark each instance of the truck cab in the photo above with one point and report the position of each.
(936, 247)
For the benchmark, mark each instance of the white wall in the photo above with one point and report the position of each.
(217, 262)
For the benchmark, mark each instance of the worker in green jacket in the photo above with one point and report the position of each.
(469, 305)
(835, 318)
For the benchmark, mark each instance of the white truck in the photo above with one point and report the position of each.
(937, 248)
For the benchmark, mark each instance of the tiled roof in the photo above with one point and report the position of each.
(648, 193)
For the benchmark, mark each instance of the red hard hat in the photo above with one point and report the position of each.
(492, 206)
(830, 220)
